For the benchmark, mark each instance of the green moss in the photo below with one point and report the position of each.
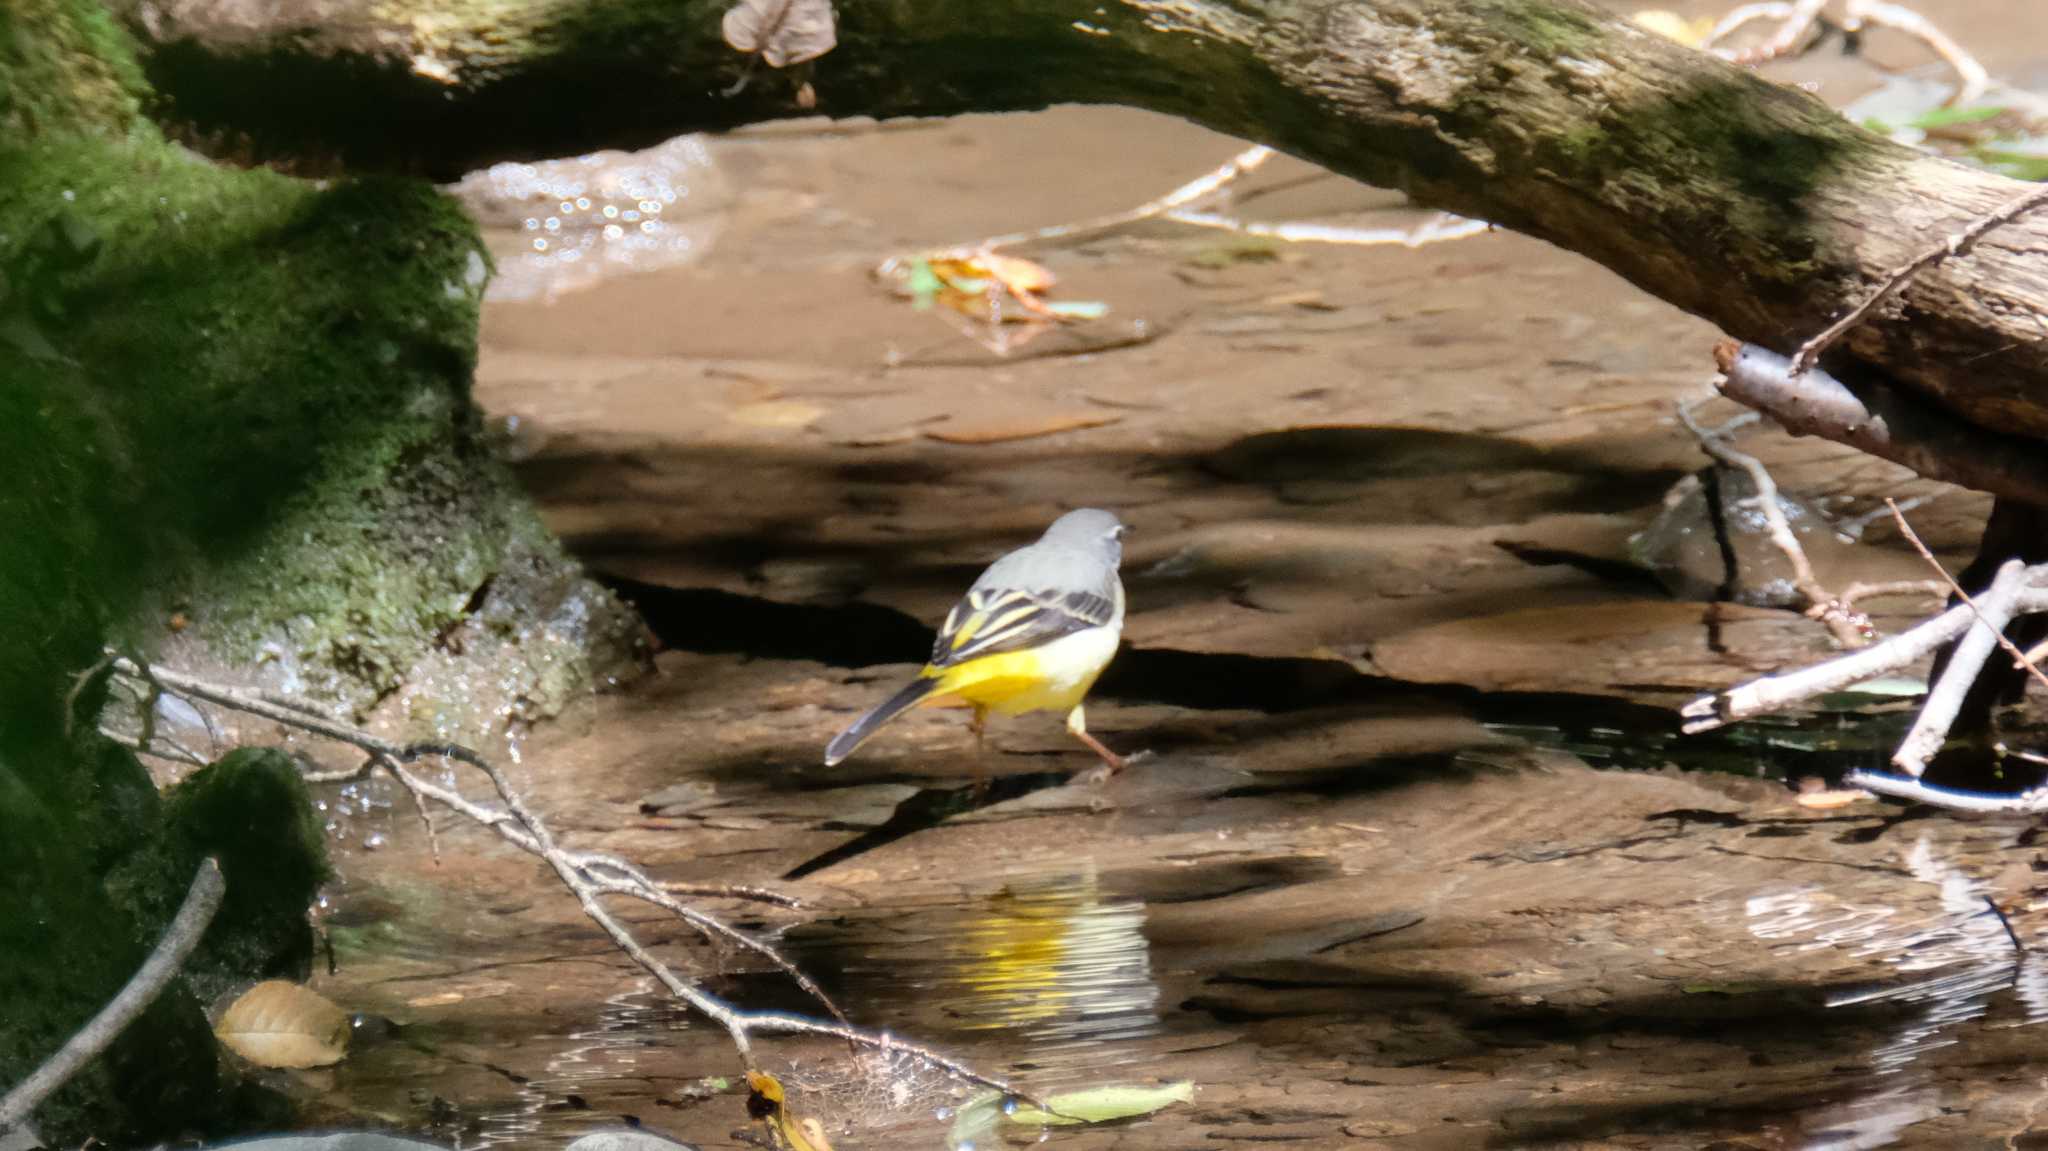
(1549, 29)
(1729, 164)
(240, 393)
(250, 810)
(65, 66)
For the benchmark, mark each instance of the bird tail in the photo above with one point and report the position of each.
(845, 742)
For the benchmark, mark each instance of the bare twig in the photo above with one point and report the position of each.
(1848, 627)
(1901, 787)
(1799, 19)
(1438, 229)
(1249, 160)
(1994, 609)
(2033, 757)
(79, 683)
(1971, 78)
(2020, 659)
(1789, 689)
(588, 876)
(730, 891)
(202, 899)
(1777, 692)
(170, 749)
(1891, 588)
(1851, 530)
(1885, 422)
(1810, 352)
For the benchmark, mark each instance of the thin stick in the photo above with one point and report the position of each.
(2020, 659)
(1249, 160)
(1994, 609)
(1891, 588)
(176, 753)
(2014, 936)
(1848, 628)
(202, 899)
(1810, 352)
(1799, 19)
(1901, 787)
(730, 891)
(1740, 18)
(580, 873)
(1788, 689)
(1437, 229)
(1884, 421)
(1971, 78)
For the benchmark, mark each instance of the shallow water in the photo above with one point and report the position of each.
(1420, 860)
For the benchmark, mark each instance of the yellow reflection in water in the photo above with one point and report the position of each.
(1057, 958)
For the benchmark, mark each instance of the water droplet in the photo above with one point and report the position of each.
(1009, 1104)
(942, 1113)
(611, 211)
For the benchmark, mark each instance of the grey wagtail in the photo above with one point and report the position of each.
(1033, 633)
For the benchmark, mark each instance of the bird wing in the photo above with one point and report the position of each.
(994, 620)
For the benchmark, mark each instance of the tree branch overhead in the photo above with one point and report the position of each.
(1751, 204)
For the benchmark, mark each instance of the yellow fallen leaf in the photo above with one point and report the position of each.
(997, 430)
(1672, 26)
(767, 1103)
(279, 1024)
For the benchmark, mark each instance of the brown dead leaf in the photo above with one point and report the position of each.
(1003, 429)
(784, 32)
(279, 1024)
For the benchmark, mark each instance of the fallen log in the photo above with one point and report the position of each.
(1751, 204)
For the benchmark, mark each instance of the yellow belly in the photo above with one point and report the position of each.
(1055, 677)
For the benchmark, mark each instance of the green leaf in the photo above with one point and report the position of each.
(924, 284)
(1103, 1104)
(1944, 117)
(2019, 165)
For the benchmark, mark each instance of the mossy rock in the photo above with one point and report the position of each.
(243, 398)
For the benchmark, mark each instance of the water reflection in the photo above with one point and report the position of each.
(580, 218)
(592, 1065)
(1056, 960)
(1960, 958)
(1053, 961)
(1055, 966)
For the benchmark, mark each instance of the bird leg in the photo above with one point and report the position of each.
(979, 726)
(1077, 725)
